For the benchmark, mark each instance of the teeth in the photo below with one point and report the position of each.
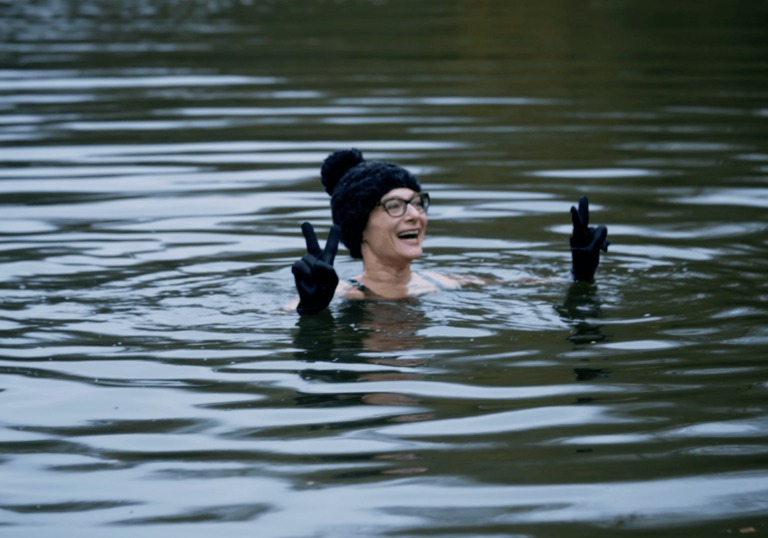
(408, 235)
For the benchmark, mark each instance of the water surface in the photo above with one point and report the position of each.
(159, 157)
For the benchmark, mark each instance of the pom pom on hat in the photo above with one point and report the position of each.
(336, 165)
(356, 186)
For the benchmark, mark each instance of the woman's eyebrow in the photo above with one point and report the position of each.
(402, 199)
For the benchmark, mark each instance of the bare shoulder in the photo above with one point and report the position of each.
(457, 281)
(348, 291)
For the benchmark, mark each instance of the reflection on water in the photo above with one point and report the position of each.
(158, 159)
(583, 311)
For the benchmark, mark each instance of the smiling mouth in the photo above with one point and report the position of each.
(410, 234)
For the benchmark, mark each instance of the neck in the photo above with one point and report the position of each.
(389, 280)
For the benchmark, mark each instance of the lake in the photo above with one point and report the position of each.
(157, 161)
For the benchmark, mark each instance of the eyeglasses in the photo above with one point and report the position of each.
(396, 207)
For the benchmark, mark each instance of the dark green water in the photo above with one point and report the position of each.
(157, 161)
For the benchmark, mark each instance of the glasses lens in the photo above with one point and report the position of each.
(424, 201)
(395, 207)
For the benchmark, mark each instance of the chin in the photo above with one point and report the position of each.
(413, 253)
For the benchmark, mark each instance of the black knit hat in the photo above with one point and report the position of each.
(356, 186)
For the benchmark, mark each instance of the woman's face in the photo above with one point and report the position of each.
(395, 239)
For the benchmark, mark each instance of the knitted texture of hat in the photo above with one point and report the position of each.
(356, 186)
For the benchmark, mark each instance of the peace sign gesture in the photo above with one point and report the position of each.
(315, 276)
(586, 242)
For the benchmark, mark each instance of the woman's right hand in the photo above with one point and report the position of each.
(316, 279)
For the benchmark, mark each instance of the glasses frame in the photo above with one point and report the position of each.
(423, 195)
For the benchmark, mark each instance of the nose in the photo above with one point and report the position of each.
(411, 213)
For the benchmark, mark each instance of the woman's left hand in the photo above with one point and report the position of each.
(586, 242)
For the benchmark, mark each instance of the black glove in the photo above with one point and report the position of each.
(586, 242)
(315, 276)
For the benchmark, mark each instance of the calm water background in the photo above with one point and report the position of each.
(158, 158)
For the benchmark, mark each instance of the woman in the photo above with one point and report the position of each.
(380, 213)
